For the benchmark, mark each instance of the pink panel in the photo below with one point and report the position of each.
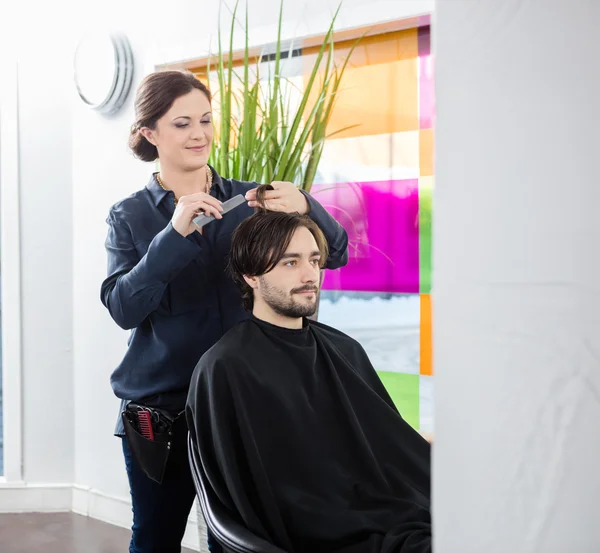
(381, 219)
(426, 93)
(424, 39)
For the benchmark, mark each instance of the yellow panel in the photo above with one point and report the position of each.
(384, 48)
(380, 99)
(426, 152)
(379, 91)
(380, 48)
(426, 365)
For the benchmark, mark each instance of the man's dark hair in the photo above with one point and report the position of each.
(261, 240)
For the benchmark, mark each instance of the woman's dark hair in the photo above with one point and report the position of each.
(261, 240)
(153, 99)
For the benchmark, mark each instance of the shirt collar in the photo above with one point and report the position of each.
(158, 192)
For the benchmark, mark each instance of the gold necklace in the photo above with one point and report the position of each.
(209, 182)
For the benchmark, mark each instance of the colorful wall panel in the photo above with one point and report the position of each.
(377, 180)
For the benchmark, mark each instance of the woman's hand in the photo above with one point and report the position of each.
(189, 207)
(285, 197)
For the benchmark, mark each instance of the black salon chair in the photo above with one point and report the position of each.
(234, 537)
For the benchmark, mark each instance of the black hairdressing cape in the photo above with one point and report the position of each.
(304, 445)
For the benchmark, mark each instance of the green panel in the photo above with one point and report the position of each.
(425, 213)
(404, 389)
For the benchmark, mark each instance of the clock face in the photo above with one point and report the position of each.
(103, 70)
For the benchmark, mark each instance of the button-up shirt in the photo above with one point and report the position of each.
(173, 292)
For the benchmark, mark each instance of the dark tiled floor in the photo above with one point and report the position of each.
(61, 533)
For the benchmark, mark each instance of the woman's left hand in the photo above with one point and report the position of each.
(285, 197)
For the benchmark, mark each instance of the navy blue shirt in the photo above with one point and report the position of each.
(172, 291)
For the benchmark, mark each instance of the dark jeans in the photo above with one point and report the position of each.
(160, 511)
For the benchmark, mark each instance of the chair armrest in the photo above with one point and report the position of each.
(230, 533)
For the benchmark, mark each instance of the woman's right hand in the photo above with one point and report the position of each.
(189, 207)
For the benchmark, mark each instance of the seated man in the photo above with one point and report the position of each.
(302, 442)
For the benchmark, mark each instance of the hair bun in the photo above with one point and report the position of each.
(139, 145)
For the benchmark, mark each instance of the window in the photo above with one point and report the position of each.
(376, 179)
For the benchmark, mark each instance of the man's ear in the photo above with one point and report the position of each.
(251, 281)
(148, 134)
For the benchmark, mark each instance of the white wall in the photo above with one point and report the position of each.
(517, 276)
(73, 165)
(104, 171)
(46, 269)
(47, 277)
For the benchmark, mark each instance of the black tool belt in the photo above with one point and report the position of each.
(150, 433)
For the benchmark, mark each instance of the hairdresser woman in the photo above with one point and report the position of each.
(166, 283)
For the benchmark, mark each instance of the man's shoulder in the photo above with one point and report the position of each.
(229, 349)
(336, 336)
(330, 331)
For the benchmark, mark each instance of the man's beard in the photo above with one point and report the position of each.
(285, 304)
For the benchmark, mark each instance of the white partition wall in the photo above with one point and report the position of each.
(517, 276)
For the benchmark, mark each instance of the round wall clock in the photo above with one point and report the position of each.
(103, 70)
